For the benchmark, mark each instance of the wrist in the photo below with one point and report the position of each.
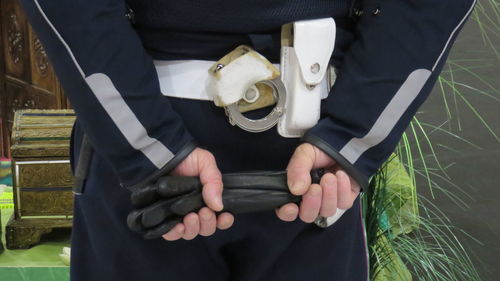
(350, 169)
(182, 154)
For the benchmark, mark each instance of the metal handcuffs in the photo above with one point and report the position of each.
(237, 81)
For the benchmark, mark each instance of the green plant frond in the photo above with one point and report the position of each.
(430, 250)
(471, 237)
(483, 93)
(473, 109)
(430, 145)
(453, 195)
(422, 158)
(408, 158)
(455, 188)
(443, 95)
(454, 60)
(478, 115)
(469, 71)
(449, 148)
(445, 236)
(449, 133)
(488, 25)
(483, 14)
(451, 83)
(408, 234)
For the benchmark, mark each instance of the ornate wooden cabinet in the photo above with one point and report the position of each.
(43, 197)
(27, 79)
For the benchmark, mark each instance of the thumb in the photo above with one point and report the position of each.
(211, 179)
(299, 169)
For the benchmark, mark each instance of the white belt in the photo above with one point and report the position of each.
(187, 79)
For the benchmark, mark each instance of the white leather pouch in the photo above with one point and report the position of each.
(304, 64)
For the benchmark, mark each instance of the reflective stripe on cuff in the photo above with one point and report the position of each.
(178, 158)
(352, 171)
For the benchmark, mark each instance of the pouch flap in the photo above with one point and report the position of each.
(313, 41)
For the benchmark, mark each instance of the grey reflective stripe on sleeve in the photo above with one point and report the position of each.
(397, 106)
(118, 110)
(126, 121)
(389, 117)
(453, 33)
(60, 37)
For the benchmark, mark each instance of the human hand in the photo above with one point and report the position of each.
(202, 163)
(335, 190)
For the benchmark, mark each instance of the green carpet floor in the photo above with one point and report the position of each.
(39, 263)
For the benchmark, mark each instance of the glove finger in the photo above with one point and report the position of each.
(134, 221)
(172, 186)
(187, 204)
(144, 196)
(156, 213)
(163, 228)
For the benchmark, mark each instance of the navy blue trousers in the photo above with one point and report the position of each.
(258, 247)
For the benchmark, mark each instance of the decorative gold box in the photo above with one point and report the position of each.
(43, 197)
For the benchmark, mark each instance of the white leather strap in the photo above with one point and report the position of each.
(187, 79)
(184, 79)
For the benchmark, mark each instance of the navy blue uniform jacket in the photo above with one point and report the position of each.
(389, 66)
(388, 56)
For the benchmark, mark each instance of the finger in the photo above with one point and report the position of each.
(311, 204)
(345, 193)
(174, 234)
(211, 178)
(191, 225)
(225, 221)
(299, 168)
(288, 212)
(329, 197)
(208, 222)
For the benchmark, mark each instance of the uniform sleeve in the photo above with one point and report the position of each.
(113, 86)
(388, 72)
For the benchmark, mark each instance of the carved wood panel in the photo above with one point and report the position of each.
(3, 135)
(13, 98)
(27, 77)
(46, 203)
(45, 175)
(42, 74)
(21, 96)
(14, 38)
(42, 187)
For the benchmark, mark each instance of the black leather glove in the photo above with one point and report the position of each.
(163, 204)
